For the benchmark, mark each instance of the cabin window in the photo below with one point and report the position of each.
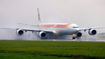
(75, 27)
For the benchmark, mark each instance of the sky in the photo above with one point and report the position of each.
(85, 13)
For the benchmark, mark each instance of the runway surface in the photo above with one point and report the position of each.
(84, 38)
(90, 40)
(11, 35)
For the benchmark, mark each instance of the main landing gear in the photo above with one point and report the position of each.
(77, 36)
(74, 37)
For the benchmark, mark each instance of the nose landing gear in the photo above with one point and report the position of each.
(74, 37)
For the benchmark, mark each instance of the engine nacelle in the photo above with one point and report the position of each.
(79, 34)
(42, 34)
(92, 32)
(20, 32)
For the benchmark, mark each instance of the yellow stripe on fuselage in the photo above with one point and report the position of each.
(69, 25)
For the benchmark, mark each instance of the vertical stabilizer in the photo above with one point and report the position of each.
(39, 17)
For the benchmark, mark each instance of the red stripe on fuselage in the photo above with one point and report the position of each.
(54, 25)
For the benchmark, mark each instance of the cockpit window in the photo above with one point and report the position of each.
(75, 27)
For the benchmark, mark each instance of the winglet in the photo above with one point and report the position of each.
(39, 18)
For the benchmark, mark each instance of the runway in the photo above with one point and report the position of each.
(90, 40)
(33, 37)
(87, 40)
(11, 35)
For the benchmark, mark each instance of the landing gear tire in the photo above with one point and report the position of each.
(73, 37)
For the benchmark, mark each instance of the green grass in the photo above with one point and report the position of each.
(17, 49)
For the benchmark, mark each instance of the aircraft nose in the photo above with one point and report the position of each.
(76, 29)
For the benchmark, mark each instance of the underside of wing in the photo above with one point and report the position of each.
(42, 33)
(36, 29)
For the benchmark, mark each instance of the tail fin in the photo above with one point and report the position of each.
(39, 18)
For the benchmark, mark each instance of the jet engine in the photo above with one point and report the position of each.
(42, 34)
(20, 32)
(79, 34)
(92, 32)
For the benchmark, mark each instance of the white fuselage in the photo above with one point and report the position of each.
(60, 28)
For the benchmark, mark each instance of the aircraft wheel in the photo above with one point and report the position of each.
(73, 37)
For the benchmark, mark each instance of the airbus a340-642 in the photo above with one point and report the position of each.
(47, 30)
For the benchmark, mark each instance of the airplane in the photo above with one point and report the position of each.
(47, 30)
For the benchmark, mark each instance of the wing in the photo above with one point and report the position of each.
(88, 28)
(28, 24)
(30, 29)
(36, 29)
